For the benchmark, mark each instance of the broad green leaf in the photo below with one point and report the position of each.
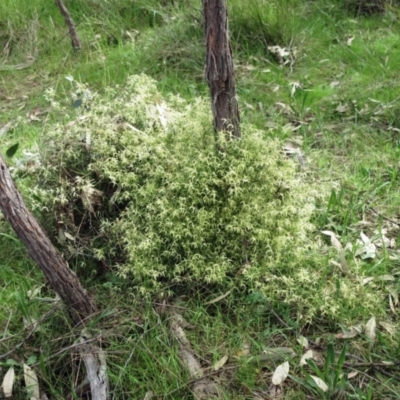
(77, 103)
(12, 150)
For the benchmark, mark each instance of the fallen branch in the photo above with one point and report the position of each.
(5, 128)
(202, 387)
(63, 280)
(383, 216)
(17, 66)
(96, 369)
(60, 276)
(70, 24)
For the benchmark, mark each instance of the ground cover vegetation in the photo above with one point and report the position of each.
(281, 247)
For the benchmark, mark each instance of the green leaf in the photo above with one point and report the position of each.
(314, 367)
(77, 103)
(330, 359)
(31, 360)
(338, 372)
(342, 358)
(10, 362)
(12, 150)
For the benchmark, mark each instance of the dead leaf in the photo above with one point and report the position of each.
(249, 106)
(391, 305)
(219, 364)
(149, 395)
(31, 383)
(245, 351)
(341, 108)
(344, 267)
(35, 292)
(351, 333)
(69, 236)
(61, 236)
(274, 392)
(306, 356)
(162, 111)
(303, 341)
(366, 248)
(365, 281)
(383, 241)
(336, 243)
(30, 323)
(219, 298)
(386, 278)
(8, 382)
(391, 329)
(294, 87)
(395, 296)
(370, 329)
(91, 197)
(281, 373)
(352, 374)
(320, 383)
(334, 240)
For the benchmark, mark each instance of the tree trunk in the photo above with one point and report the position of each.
(62, 279)
(70, 24)
(219, 68)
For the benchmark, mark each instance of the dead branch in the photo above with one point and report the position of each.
(70, 24)
(62, 279)
(202, 387)
(96, 369)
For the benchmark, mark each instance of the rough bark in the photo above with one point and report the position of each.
(70, 24)
(219, 68)
(62, 279)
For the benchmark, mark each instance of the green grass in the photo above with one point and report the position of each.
(346, 114)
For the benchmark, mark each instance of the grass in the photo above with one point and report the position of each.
(346, 115)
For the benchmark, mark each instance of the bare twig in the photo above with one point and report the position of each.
(382, 216)
(8, 323)
(32, 330)
(371, 364)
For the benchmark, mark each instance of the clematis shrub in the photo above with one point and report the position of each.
(141, 182)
